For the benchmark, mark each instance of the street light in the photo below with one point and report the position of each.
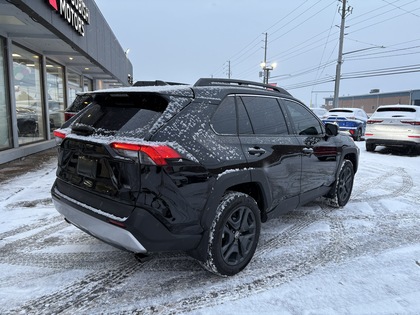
(267, 67)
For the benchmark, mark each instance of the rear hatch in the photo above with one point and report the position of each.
(395, 122)
(102, 152)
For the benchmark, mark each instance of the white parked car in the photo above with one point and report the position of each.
(394, 125)
(319, 111)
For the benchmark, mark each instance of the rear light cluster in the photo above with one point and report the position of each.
(373, 121)
(411, 122)
(147, 154)
(59, 136)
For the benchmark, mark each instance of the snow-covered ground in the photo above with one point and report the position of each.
(362, 259)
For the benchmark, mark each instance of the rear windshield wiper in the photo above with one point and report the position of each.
(82, 130)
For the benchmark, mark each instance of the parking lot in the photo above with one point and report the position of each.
(362, 259)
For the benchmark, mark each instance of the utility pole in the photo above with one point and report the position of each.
(265, 75)
(229, 72)
(345, 11)
(266, 66)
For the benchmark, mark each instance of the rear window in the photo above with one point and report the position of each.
(396, 109)
(394, 112)
(129, 114)
(80, 102)
(340, 111)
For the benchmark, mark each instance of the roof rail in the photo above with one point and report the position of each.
(156, 83)
(250, 84)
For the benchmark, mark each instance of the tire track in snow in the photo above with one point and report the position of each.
(365, 185)
(341, 248)
(82, 292)
(28, 227)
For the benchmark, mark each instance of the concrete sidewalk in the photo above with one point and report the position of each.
(20, 166)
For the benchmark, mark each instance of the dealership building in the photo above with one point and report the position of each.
(49, 51)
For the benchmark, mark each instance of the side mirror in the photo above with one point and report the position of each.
(331, 129)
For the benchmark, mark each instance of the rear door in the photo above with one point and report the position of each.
(268, 146)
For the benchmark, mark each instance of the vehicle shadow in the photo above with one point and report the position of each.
(400, 151)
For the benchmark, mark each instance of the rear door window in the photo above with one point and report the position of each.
(265, 115)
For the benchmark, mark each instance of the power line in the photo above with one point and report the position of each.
(400, 8)
(359, 75)
(301, 23)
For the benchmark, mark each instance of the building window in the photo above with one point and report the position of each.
(28, 96)
(56, 104)
(74, 82)
(5, 139)
(87, 84)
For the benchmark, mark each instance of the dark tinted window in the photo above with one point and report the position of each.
(340, 111)
(224, 119)
(129, 114)
(396, 109)
(80, 102)
(265, 115)
(303, 119)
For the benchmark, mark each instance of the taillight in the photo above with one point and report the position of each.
(411, 122)
(374, 121)
(147, 154)
(59, 136)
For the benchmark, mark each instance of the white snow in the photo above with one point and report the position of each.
(362, 259)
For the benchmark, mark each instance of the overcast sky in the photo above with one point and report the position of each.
(183, 40)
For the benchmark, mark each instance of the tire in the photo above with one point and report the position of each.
(370, 147)
(233, 235)
(358, 136)
(341, 191)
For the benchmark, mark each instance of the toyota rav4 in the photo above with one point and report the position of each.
(197, 168)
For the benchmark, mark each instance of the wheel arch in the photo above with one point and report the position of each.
(353, 158)
(239, 181)
(250, 182)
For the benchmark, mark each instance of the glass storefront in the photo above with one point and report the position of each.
(56, 96)
(28, 96)
(5, 139)
(74, 85)
(87, 84)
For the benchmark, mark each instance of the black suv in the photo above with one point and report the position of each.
(197, 168)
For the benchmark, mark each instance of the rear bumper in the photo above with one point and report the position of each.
(344, 128)
(393, 142)
(103, 230)
(140, 232)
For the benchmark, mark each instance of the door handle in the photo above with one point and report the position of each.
(256, 151)
(308, 151)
